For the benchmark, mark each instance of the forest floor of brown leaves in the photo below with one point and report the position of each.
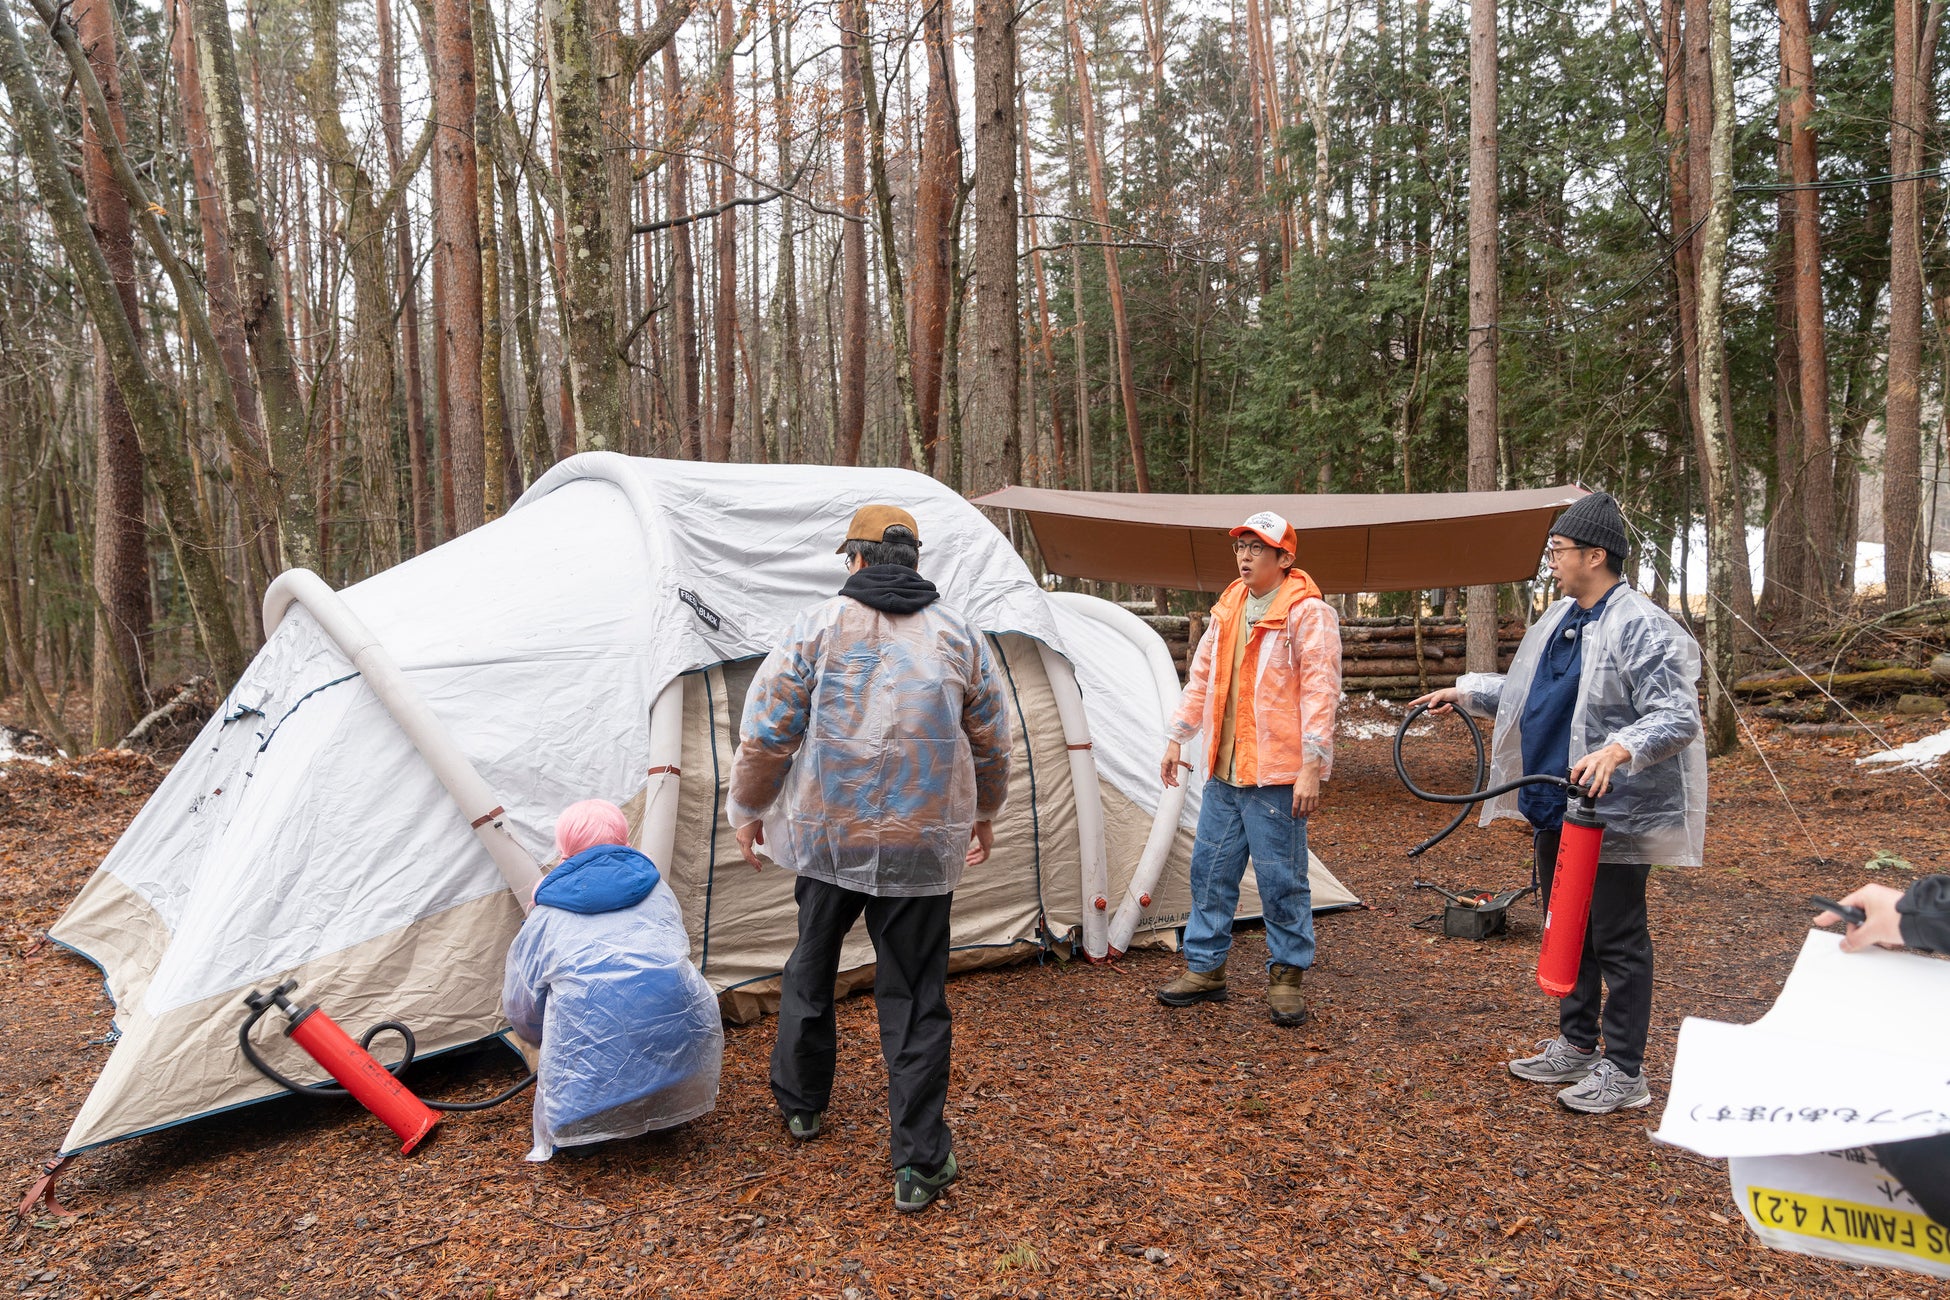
(1111, 1146)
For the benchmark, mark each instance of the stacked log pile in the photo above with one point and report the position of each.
(1897, 661)
(1377, 654)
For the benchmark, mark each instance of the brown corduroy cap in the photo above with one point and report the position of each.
(870, 524)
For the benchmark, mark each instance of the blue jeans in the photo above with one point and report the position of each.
(1234, 822)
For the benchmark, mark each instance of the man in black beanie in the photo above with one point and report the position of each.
(1603, 690)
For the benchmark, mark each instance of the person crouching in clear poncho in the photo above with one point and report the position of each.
(601, 977)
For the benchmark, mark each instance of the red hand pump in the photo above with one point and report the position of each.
(352, 1065)
(1570, 910)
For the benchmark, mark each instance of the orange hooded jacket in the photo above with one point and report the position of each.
(1290, 684)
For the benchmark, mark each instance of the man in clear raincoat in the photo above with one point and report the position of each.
(1604, 689)
(874, 755)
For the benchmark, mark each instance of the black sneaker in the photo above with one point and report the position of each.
(914, 1190)
(804, 1125)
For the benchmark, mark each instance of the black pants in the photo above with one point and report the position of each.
(910, 994)
(1617, 952)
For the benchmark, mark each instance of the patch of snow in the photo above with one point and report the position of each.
(1378, 729)
(1922, 753)
(1868, 564)
(8, 754)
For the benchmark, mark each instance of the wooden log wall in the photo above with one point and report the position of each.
(1377, 654)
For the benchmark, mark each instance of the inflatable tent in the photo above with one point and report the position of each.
(368, 810)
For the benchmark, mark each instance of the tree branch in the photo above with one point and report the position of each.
(640, 49)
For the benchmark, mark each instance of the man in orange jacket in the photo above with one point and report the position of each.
(1264, 686)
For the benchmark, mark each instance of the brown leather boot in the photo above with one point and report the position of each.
(1283, 995)
(1195, 986)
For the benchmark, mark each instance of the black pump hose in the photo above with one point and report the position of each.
(1470, 800)
(272, 1073)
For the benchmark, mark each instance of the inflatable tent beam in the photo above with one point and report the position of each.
(429, 736)
(657, 836)
(1164, 824)
(1094, 879)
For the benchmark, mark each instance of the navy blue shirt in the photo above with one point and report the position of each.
(1546, 723)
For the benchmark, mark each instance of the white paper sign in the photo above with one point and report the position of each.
(1840, 1205)
(1855, 1051)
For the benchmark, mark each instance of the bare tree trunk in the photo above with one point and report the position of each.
(1480, 647)
(1905, 567)
(536, 453)
(457, 244)
(1814, 467)
(1100, 209)
(789, 371)
(853, 237)
(443, 393)
(494, 448)
(578, 36)
(121, 554)
(219, 272)
(1263, 82)
(420, 485)
(997, 433)
(565, 433)
(934, 203)
(285, 420)
(1679, 58)
(683, 273)
(1086, 468)
(724, 316)
(1787, 548)
(1700, 92)
(1051, 474)
(890, 264)
(951, 460)
(1727, 557)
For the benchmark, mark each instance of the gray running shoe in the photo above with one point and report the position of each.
(1606, 1089)
(1556, 1062)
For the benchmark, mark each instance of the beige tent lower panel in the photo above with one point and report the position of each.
(748, 1002)
(443, 970)
(116, 928)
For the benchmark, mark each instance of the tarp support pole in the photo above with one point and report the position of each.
(428, 734)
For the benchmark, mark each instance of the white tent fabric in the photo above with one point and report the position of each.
(303, 836)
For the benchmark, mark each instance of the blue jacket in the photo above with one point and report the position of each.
(601, 977)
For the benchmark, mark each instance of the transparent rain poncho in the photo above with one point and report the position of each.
(1639, 688)
(630, 1033)
(870, 745)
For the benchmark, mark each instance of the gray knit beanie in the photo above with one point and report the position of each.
(1594, 520)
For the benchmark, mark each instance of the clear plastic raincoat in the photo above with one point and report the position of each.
(600, 975)
(871, 744)
(1640, 689)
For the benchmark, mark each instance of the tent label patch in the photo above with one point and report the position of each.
(1849, 1223)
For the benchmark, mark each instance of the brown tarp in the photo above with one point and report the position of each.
(1403, 542)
